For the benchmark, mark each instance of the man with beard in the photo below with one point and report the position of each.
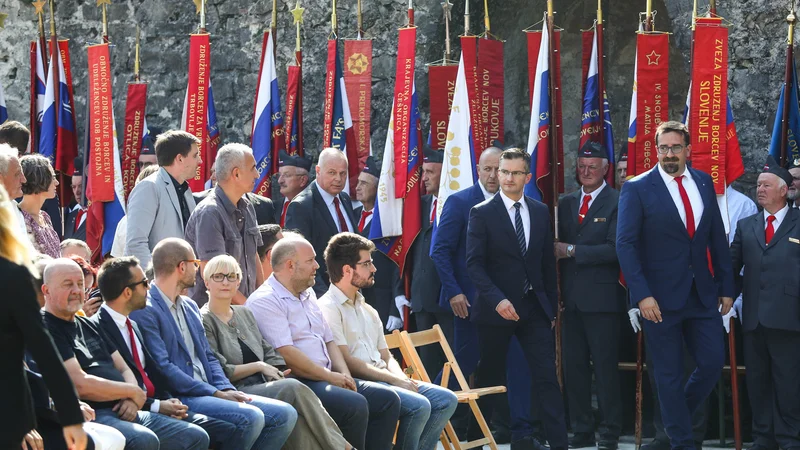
(424, 408)
(794, 188)
(622, 168)
(75, 215)
(292, 179)
(225, 222)
(288, 316)
(174, 334)
(668, 226)
(124, 288)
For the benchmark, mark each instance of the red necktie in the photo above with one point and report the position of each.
(78, 218)
(584, 208)
(687, 207)
(151, 390)
(770, 229)
(363, 221)
(342, 222)
(283, 213)
(433, 210)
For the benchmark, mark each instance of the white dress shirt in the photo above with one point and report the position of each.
(739, 207)
(691, 190)
(328, 198)
(593, 194)
(120, 321)
(368, 219)
(779, 216)
(523, 211)
(83, 217)
(486, 194)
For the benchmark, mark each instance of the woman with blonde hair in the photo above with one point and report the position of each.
(253, 366)
(21, 328)
(40, 185)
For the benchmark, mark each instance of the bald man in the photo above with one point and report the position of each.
(323, 210)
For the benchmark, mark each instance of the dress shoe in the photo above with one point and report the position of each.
(502, 436)
(761, 447)
(656, 444)
(581, 440)
(607, 444)
(528, 443)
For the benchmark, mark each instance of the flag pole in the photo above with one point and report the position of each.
(787, 86)
(466, 17)
(410, 13)
(56, 87)
(273, 26)
(648, 24)
(42, 41)
(486, 26)
(713, 7)
(102, 4)
(203, 17)
(136, 55)
(334, 25)
(446, 6)
(359, 20)
(601, 82)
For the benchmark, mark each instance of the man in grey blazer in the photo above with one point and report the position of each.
(593, 298)
(160, 205)
(767, 246)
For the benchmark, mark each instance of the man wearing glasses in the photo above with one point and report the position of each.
(794, 189)
(511, 261)
(292, 179)
(668, 226)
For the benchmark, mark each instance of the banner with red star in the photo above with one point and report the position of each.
(652, 102)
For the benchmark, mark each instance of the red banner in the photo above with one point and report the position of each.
(403, 88)
(469, 50)
(587, 42)
(197, 102)
(442, 86)
(490, 67)
(33, 141)
(101, 125)
(358, 84)
(652, 97)
(709, 100)
(330, 91)
(132, 135)
(294, 106)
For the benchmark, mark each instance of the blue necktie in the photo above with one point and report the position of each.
(523, 246)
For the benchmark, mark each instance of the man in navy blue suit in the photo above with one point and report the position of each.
(668, 225)
(510, 259)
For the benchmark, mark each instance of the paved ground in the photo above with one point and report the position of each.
(627, 443)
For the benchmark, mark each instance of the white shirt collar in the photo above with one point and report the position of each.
(779, 216)
(119, 319)
(486, 194)
(595, 192)
(667, 177)
(328, 198)
(509, 204)
(341, 298)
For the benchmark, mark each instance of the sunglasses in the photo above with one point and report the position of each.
(144, 282)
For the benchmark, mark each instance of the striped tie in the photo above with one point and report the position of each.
(520, 230)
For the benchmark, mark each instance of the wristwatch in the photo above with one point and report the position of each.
(570, 250)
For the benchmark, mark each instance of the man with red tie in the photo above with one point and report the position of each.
(75, 223)
(292, 179)
(668, 226)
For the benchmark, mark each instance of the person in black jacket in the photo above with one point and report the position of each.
(21, 328)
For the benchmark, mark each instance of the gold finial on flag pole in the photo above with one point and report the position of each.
(136, 57)
(102, 4)
(694, 15)
(334, 26)
(3, 17)
(648, 24)
(446, 7)
(486, 17)
(201, 9)
(600, 12)
(359, 19)
(297, 12)
(273, 26)
(52, 20)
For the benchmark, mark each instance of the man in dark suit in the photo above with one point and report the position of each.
(75, 215)
(668, 224)
(292, 179)
(594, 300)
(382, 293)
(323, 209)
(767, 246)
(510, 259)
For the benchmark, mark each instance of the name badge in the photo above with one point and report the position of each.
(796, 241)
(599, 219)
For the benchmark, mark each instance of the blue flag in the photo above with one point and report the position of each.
(792, 150)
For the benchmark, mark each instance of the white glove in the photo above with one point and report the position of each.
(734, 312)
(394, 323)
(737, 306)
(401, 301)
(634, 314)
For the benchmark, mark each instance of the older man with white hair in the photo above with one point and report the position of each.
(323, 209)
(225, 222)
(12, 178)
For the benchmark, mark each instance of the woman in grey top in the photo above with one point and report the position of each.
(253, 366)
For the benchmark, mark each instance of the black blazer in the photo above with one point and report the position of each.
(498, 268)
(381, 295)
(21, 328)
(265, 210)
(425, 283)
(69, 226)
(771, 294)
(308, 214)
(590, 280)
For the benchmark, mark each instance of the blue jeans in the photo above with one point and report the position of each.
(261, 424)
(151, 431)
(423, 415)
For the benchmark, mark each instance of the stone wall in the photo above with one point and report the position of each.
(756, 65)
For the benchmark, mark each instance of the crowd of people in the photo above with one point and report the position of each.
(222, 320)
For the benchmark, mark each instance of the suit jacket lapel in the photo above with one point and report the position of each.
(347, 204)
(173, 196)
(505, 222)
(787, 225)
(758, 229)
(427, 204)
(319, 202)
(477, 193)
(704, 191)
(160, 302)
(597, 204)
(114, 332)
(666, 199)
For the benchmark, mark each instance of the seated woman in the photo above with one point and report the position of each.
(253, 366)
(40, 185)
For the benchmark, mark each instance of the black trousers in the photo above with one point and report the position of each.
(537, 340)
(593, 336)
(773, 385)
(431, 355)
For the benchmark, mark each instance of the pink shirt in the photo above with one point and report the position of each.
(284, 319)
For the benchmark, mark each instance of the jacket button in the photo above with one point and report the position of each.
(690, 267)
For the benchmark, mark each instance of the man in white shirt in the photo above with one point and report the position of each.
(12, 179)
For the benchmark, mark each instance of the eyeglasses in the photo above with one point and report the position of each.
(367, 263)
(195, 261)
(676, 149)
(516, 173)
(143, 281)
(232, 277)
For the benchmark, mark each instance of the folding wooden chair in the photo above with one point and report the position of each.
(408, 344)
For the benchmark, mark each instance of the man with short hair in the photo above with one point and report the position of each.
(424, 408)
(77, 247)
(124, 288)
(270, 234)
(16, 135)
(287, 314)
(324, 209)
(225, 222)
(75, 215)
(766, 247)
(12, 179)
(174, 334)
(510, 259)
(794, 187)
(99, 373)
(292, 179)
(622, 169)
(160, 205)
(264, 208)
(147, 157)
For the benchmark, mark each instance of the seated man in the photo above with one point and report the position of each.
(173, 333)
(424, 408)
(286, 311)
(99, 373)
(123, 286)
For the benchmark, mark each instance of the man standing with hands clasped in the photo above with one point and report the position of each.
(668, 226)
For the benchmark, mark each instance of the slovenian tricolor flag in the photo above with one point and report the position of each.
(3, 109)
(49, 127)
(632, 118)
(337, 126)
(792, 128)
(539, 133)
(114, 210)
(268, 138)
(592, 128)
